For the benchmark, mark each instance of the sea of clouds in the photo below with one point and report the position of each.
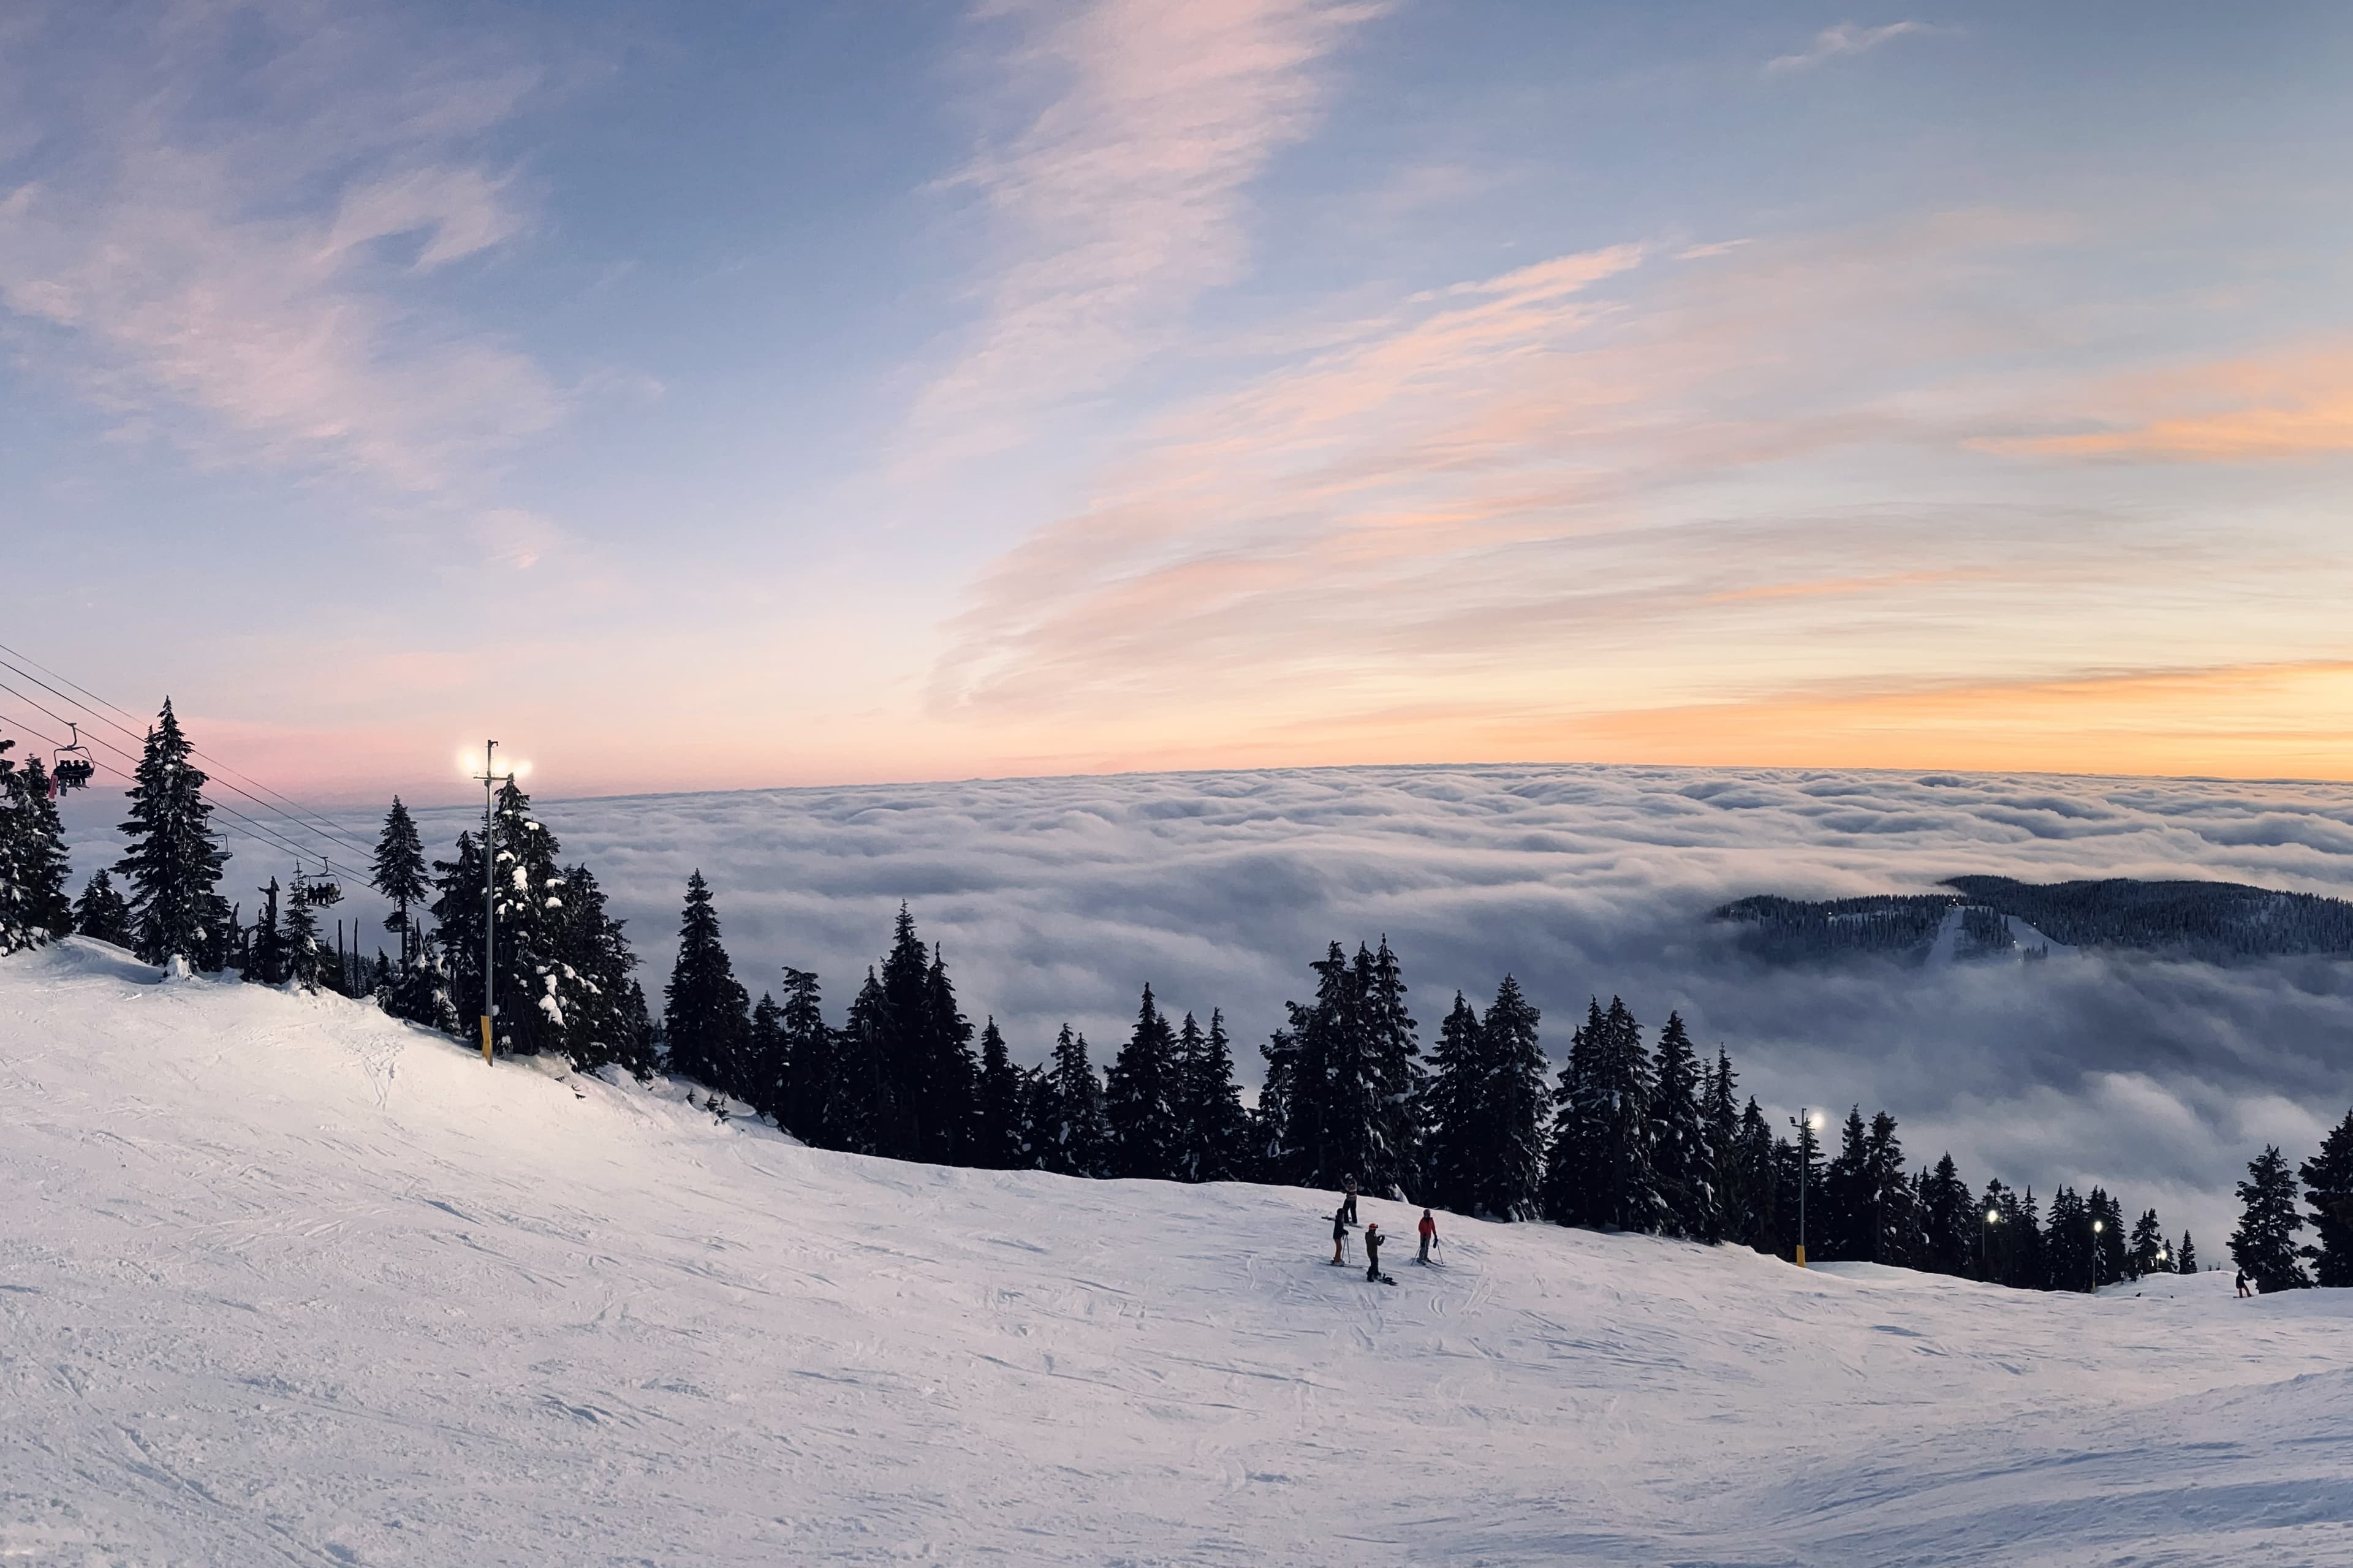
(1059, 899)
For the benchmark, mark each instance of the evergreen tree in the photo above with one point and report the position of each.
(858, 1109)
(1392, 1156)
(2328, 1190)
(640, 1035)
(1679, 1139)
(1456, 1150)
(1843, 1227)
(814, 1091)
(765, 1062)
(592, 961)
(1758, 1165)
(32, 861)
(1574, 1181)
(1214, 1128)
(101, 913)
(173, 862)
(1001, 1130)
(265, 950)
(2030, 1266)
(300, 930)
(534, 991)
(2108, 1236)
(1894, 1216)
(2068, 1257)
(1139, 1098)
(1720, 1122)
(400, 870)
(1949, 1221)
(1074, 1139)
(1513, 1109)
(2265, 1243)
(705, 1008)
(2185, 1256)
(22, 921)
(1799, 1195)
(2147, 1242)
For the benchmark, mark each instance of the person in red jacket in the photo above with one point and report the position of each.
(1429, 1228)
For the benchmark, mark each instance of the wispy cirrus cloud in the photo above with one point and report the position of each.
(1122, 199)
(2296, 404)
(245, 285)
(1846, 38)
(1511, 516)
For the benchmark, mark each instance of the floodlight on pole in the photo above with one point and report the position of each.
(1807, 1122)
(2097, 1226)
(1985, 1238)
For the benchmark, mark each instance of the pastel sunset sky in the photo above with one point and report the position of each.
(703, 394)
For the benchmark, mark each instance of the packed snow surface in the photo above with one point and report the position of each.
(284, 1281)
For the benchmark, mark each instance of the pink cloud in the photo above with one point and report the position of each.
(1122, 199)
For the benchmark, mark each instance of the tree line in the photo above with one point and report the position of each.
(1629, 1134)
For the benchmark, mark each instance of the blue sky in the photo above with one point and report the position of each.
(730, 395)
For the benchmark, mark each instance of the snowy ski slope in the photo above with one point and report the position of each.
(284, 1282)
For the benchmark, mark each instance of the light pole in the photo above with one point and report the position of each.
(1985, 1236)
(2097, 1226)
(492, 778)
(1805, 1121)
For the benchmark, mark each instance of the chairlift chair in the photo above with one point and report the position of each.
(71, 766)
(324, 888)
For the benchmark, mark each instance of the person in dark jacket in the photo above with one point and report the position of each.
(1429, 1228)
(1372, 1251)
(1339, 1237)
(2242, 1284)
(1348, 1198)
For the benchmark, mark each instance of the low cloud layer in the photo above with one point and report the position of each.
(1060, 897)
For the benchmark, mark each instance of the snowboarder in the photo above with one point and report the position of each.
(2242, 1284)
(1339, 1236)
(1429, 1228)
(1348, 1199)
(1373, 1274)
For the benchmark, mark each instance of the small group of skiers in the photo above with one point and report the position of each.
(1344, 1219)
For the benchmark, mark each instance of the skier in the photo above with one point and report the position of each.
(1348, 1200)
(2242, 1284)
(1429, 1228)
(1373, 1256)
(1339, 1236)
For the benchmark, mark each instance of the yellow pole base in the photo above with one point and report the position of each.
(486, 1039)
(1802, 1246)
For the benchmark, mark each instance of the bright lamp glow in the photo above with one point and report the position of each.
(470, 763)
(1815, 1121)
(520, 768)
(1993, 1216)
(2097, 1226)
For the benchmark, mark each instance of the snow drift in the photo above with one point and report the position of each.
(284, 1281)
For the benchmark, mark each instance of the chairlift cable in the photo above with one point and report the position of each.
(309, 820)
(258, 831)
(345, 844)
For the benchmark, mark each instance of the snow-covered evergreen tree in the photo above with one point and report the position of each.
(34, 907)
(2265, 1243)
(1215, 1131)
(1073, 1138)
(101, 913)
(1759, 1183)
(1392, 1154)
(173, 862)
(765, 1062)
(1719, 1112)
(705, 1015)
(2069, 1262)
(2185, 1256)
(1575, 1187)
(300, 932)
(2148, 1243)
(2328, 1192)
(590, 953)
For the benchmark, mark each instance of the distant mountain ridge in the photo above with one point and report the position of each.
(2221, 922)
